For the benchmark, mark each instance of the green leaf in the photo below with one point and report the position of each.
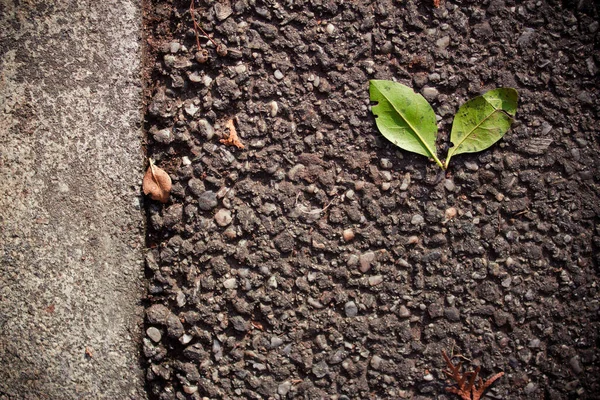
(404, 117)
(482, 121)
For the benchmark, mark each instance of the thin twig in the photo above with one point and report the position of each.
(198, 27)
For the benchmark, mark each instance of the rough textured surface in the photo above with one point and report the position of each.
(71, 228)
(322, 262)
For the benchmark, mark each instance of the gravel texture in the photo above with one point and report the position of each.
(321, 262)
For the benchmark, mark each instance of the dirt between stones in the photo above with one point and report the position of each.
(320, 261)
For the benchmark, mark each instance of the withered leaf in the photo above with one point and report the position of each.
(232, 139)
(157, 183)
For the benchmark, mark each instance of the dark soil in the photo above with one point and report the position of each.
(322, 262)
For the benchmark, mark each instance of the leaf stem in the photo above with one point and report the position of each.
(437, 161)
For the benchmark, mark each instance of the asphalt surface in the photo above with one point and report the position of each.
(71, 226)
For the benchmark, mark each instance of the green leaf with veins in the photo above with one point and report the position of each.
(482, 121)
(404, 117)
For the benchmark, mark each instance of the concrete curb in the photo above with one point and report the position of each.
(71, 228)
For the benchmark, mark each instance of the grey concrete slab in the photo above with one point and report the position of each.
(71, 236)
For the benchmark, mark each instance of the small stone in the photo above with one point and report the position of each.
(276, 342)
(351, 309)
(412, 240)
(385, 163)
(174, 47)
(428, 377)
(154, 334)
(223, 10)
(207, 200)
(223, 217)
(273, 108)
(450, 213)
(576, 365)
(163, 135)
(405, 181)
(376, 362)
(471, 166)
(206, 128)
(230, 283)
(320, 369)
(348, 235)
(157, 314)
(534, 343)
(272, 282)
(352, 260)
(365, 261)
(191, 109)
(417, 219)
(239, 324)
(284, 388)
(449, 185)
(330, 29)
(174, 326)
(190, 389)
(443, 42)
(452, 314)
(385, 186)
(180, 298)
(222, 50)
(240, 69)
(359, 185)
(278, 75)
(375, 280)
(530, 388)
(185, 161)
(403, 312)
(185, 339)
(430, 93)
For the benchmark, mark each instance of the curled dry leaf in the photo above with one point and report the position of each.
(232, 139)
(157, 183)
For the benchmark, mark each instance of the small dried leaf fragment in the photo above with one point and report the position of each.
(232, 139)
(436, 3)
(157, 183)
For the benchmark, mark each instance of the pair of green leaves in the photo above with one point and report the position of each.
(406, 119)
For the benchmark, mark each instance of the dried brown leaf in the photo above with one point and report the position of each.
(467, 389)
(232, 139)
(157, 183)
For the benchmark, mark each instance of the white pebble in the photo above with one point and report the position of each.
(230, 283)
(223, 217)
(348, 234)
(273, 108)
(451, 213)
(330, 28)
(154, 334)
(185, 339)
(278, 74)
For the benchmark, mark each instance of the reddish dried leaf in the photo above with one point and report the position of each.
(477, 393)
(232, 139)
(157, 183)
(467, 389)
(436, 3)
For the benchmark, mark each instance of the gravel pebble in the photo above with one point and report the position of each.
(223, 217)
(417, 219)
(351, 309)
(154, 334)
(207, 200)
(365, 260)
